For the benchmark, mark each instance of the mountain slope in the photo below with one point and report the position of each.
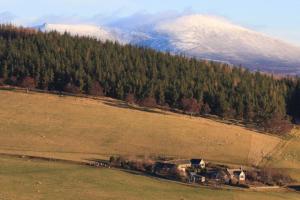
(200, 36)
(100, 33)
(213, 38)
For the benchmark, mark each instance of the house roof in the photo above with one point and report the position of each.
(164, 165)
(235, 172)
(196, 161)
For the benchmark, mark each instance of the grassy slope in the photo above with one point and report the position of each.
(76, 128)
(287, 157)
(32, 180)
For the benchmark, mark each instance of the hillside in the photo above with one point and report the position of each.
(45, 180)
(80, 30)
(51, 61)
(80, 129)
(287, 155)
(200, 36)
(214, 38)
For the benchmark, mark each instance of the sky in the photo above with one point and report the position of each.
(279, 18)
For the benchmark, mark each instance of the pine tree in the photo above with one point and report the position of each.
(4, 71)
(76, 64)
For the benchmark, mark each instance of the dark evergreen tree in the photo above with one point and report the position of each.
(85, 65)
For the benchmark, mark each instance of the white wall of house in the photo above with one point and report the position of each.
(242, 176)
(202, 164)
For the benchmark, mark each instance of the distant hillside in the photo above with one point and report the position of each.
(52, 61)
(213, 38)
(80, 30)
(199, 36)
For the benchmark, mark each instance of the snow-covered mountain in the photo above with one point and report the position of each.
(200, 36)
(213, 38)
(92, 31)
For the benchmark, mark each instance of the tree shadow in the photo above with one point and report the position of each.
(295, 187)
(106, 163)
(124, 105)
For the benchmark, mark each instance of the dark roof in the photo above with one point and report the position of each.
(196, 161)
(164, 165)
(235, 172)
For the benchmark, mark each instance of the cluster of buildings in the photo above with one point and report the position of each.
(198, 171)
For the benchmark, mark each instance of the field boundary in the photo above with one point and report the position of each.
(40, 158)
(158, 178)
(90, 164)
(277, 150)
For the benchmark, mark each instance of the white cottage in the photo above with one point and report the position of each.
(237, 176)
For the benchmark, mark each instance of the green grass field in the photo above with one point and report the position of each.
(22, 179)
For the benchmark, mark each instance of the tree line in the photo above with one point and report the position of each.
(53, 61)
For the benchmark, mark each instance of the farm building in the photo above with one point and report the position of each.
(236, 176)
(164, 168)
(198, 163)
(196, 178)
(181, 165)
(168, 167)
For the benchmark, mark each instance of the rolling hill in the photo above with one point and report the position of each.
(23, 179)
(81, 129)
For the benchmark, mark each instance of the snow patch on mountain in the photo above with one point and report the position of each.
(200, 36)
(96, 32)
(214, 38)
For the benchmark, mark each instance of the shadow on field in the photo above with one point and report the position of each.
(295, 187)
(128, 106)
(100, 163)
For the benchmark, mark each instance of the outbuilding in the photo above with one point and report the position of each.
(236, 176)
(198, 163)
(196, 178)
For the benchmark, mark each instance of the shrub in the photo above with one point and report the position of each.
(274, 177)
(205, 109)
(96, 89)
(27, 82)
(148, 102)
(141, 165)
(252, 175)
(165, 107)
(190, 105)
(130, 98)
(132, 164)
(11, 81)
(117, 161)
(70, 88)
(2, 82)
(277, 125)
